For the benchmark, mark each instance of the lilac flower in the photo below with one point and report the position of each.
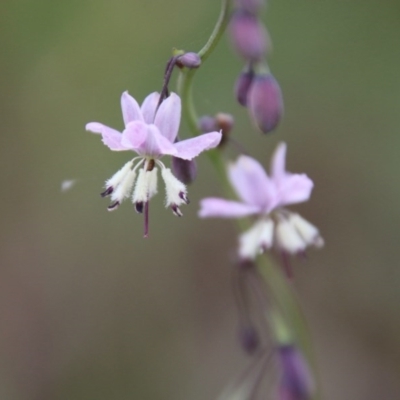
(150, 131)
(265, 197)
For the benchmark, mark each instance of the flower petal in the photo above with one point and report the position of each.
(291, 188)
(130, 109)
(215, 207)
(252, 184)
(149, 106)
(134, 135)
(168, 117)
(190, 148)
(156, 144)
(110, 137)
(294, 188)
(278, 162)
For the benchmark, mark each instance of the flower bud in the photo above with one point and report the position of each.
(296, 382)
(207, 124)
(184, 170)
(242, 86)
(265, 102)
(248, 36)
(224, 124)
(189, 60)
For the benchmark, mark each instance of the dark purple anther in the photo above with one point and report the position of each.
(242, 86)
(107, 192)
(295, 382)
(265, 102)
(139, 207)
(184, 170)
(113, 206)
(176, 210)
(249, 339)
(248, 36)
(184, 197)
(189, 60)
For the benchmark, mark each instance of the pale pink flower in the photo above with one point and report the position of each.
(150, 131)
(265, 196)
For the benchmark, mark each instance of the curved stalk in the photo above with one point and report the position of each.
(282, 293)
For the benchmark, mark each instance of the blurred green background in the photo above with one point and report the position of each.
(91, 310)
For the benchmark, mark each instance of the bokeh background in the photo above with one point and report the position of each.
(91, 310)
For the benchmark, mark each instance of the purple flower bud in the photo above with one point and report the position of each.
(252, 6)
(265, 102)
(207, 124)
(184, 170)
(242, 86)
(296, 382)
(248, 35)
(189, 60)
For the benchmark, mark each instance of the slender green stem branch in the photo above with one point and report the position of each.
(282, 293)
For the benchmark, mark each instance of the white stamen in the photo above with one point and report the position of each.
(287, 237)
(307, 231)
(267, 234)
(119, 176)
(152, 184)
(175, 190)
(146, 186)
(124, 189)
(255, 240)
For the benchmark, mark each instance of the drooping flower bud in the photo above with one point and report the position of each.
(242, 86)
(296, 382)
(184, 170)
(265, 102)
(248, 36)
(189, 60)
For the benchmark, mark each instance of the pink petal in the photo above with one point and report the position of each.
(110, 137)
(252, 184)
(278, 162)
(291, 188)
(190, 148)
(168, 117)
(130, 109)
(156, 144)
(294, 188)
(149, 106)
(134, 135)
(214, 207)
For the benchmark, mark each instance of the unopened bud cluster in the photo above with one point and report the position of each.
(256, 88)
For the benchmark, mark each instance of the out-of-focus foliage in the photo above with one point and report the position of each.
(91, 310)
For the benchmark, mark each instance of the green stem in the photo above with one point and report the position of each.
(285, 299)
(186, 76)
